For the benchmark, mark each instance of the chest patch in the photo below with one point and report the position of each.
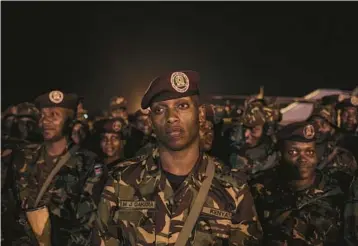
(137, 205)
(217, 213)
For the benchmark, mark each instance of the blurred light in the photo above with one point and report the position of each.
(85, 116)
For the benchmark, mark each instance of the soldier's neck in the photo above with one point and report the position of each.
(179, 162)
(298, 185)
(56, 148)
(111, 159)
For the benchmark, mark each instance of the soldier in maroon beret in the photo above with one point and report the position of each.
(166, 181)
(112, 140)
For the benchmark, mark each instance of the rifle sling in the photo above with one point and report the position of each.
(198, 204)
(54, 171)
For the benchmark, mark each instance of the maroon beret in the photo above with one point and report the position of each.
(57, 99)
(171, 86)
(297, 131)
(110, 125)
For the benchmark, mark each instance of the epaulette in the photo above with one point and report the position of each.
(131, 161)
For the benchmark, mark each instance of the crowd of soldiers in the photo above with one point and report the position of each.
(178, 171)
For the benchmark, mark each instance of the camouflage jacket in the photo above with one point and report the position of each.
(351, 214)
(335, 158)
(309, 217)
(253, 160)
(72, 196)
(139, 207)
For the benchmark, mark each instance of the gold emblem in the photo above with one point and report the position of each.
(308, 132)
(180, 82)
(354, 100)
(56, 96)
(117, 126)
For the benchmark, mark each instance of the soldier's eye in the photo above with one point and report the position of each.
(183, 106)
(292, 152)
(158, 110)
(310, 152)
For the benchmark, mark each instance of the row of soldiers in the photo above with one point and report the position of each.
(177, 172)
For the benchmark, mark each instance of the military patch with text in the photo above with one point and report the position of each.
(217, 213)
(137, 204)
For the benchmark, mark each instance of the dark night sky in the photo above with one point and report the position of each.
(102, 49)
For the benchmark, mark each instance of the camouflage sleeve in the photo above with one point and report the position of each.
(108, 201)
(86, 208)
(246, 229)
(351, 215)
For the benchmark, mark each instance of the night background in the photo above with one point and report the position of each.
(103, 49)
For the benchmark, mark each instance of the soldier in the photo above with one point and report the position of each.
(118, 108)
(297, 204)
(337, 161)
(111, 140)
(80, 132)
(348, 116)
(24, 131)
(58, 183)
(143, 123)
(206, 130)
(157, 199)
(252, 149)
(350, 214)
(7, 119)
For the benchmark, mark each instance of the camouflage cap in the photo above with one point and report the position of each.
(118, 102)
(27, 109)
(57, 99)
(298, 131)
(171, 86)
(109, 125)
(253, 116)
(326, 112)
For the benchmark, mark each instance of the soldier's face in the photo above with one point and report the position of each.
(144, 124)
(323, 125)
(78, 134)
(52, 123)
(110, 144)
(120, 113)
(253, 135)
(299, 159)
(176, 122)
(206, 135)
(350, 118)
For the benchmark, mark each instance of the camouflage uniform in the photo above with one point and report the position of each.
(351, 215)
(260, 157)
(139, 206)
(333, 159)
(71, 197)
(309, 217)
(13, 231)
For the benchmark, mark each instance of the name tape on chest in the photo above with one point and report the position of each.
(137, 204)
(217, 213)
